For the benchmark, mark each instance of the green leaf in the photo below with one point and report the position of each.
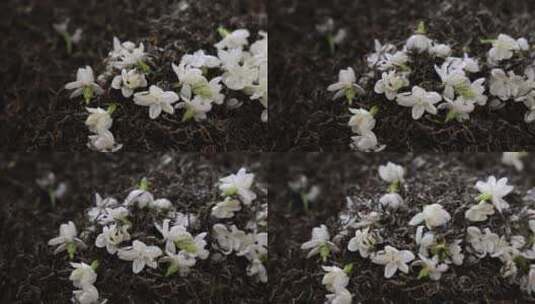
(348, 268)
(187, 115)
(223, 32)
(143, 67)
(71, 250)
(424, 273)
(187, 245)
(487, 41)
(171, 269)
(394, 187)
(331, 44)
(374, 110)
(324, 252)
(88, 94)
(95, 264)
(421, 28)
(484, 197)
(111, 108)
(230, 191)
(451, 115)
(350, 95)
(144, 184)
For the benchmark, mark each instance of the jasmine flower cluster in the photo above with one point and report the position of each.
(179, 244)
(202, 80)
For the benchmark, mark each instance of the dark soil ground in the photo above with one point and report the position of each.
(35, 112)
(304, 118)
(30, 273)
(444, 178)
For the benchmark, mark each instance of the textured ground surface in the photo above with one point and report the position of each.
(447, 179)
(36, 114)
(30, 273)
(303, 117)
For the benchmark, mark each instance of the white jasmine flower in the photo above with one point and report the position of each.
(228, 240)
(234, 40)
(180, 262)
(174, 235)
(113, 214)
(87, 295)
(366, 142)
(433, 215)
(141, 255)
(392, 173)
(475, 92)
(99, 120)
(240, 76)
(346, 85)
(128, 81)
(466, 64)
(320, 243)
(431, 267)
(67, 239)
(440, 50)
(502, 85)
(132, 57)
(100, 206)
(111, 237)
(398, 60)
(226, 208)
(424, 240)
(361, 121)
(452, 79)
(364, 242)
(335, 278)
(82, 275)
(392, 201)
(390, 83)
(139, 197)
(341, 296)
(103, 142)
(393, 259)
(420, 100)
(458, 109)
(503, 48)
(238, 184)
(196, 108)
(157, 100)
(483, 243)
(188, 76)
(494, 191)
(455, 253)
(84, 85)
(514, 159)
(418, 43)
(380, 51)
(161, 204)
(200, 60)
(479, 212)
(257, 269)
(120, 48)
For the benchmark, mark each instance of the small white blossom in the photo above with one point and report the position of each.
(82, 275)
(141, 255)
(103, 142)
(161, 204)
(200, 60)
(398, 60)
(226, 208)
(440, 50)
(319, 243)
(390, 83)
(111, 237)
(479, 212)
(139, 197)
(240, 184)
(99, 120)
(361, 121)
(494, 191)
(364, 242)
(85, 84)
(418, 43)
(380, 51)
(68, 237)
(392, 173)
(483, 243)
(424, 240)
(503, 48)
(341, 296)
(100, 206)
(180, 262)
(393, 259)
(128, 81)
(174, 235)
(229, 240)
(335, 278)
(111, 215)
(257, 269)
(420, 101)
(433, 215)
(366, 142)
(392, 201)
(234, 40)
(528, 282)
(431, 267)
(346, 85)
(87, 295)
(157, 100)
